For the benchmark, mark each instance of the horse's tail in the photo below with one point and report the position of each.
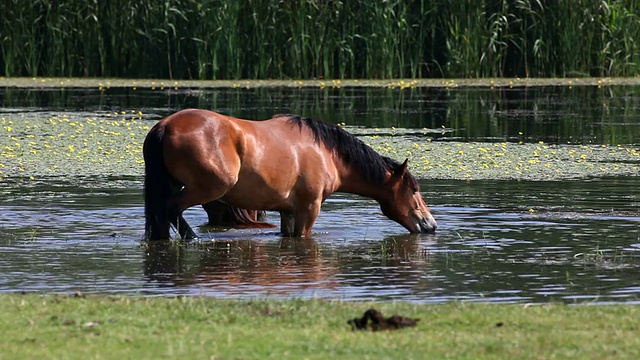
(157, 186)
(249, 218)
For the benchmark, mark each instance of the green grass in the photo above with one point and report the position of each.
(69, 327)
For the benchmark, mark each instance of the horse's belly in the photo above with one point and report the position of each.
(257, 198)
(265, 184)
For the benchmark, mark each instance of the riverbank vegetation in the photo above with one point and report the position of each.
(270, 39)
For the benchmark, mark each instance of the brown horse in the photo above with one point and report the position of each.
(289, 164)
(221, 214)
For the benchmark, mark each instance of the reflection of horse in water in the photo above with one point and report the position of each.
(288, 266)
(288, 164)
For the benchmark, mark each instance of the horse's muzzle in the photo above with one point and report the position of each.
(428, 225)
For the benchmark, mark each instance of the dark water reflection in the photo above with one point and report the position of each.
(553, 114)
(499, 241)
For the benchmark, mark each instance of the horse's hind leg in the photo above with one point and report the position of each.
(192, 195)
(175, 216)
(217, 213)
(183, 228)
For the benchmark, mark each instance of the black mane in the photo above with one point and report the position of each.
(351, 150)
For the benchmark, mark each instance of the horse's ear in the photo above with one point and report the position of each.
(401, 170)
(403, 167)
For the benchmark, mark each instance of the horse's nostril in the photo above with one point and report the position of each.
(427, 226)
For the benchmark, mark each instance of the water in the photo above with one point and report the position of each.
(553, 114)
(497, 241)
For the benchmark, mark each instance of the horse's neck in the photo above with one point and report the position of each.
(354, 183)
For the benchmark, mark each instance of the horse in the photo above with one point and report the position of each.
(222, 214)
(288, 163)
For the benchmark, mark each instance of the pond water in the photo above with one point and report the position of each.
(497, 241)
(553, 114)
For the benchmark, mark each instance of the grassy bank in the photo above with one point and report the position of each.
(271, 39)
(71, 327)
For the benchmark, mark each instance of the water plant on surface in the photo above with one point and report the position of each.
(111, 144)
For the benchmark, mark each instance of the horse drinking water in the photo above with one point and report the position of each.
(289, 164)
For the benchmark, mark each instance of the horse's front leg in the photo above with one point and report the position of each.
(305, 216)
(287, 224)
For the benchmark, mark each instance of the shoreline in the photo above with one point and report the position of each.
(58, 82)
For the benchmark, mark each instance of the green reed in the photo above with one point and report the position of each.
(262, 39)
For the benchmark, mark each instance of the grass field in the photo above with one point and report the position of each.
(92, 327)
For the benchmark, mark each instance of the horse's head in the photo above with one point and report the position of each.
(403, 202)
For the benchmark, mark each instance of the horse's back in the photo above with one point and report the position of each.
(268, 164)
(194, 122)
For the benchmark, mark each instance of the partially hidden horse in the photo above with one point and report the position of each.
(289, 164)
(222, 214)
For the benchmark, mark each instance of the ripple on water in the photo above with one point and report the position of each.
(490, 247)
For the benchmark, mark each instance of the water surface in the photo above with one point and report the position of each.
(497, 241)
(553, 114)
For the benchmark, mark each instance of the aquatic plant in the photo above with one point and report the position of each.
(271, 39)
(110, 143)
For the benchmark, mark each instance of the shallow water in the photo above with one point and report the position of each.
(497, 241)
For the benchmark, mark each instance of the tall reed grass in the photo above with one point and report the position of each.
(230, 39)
